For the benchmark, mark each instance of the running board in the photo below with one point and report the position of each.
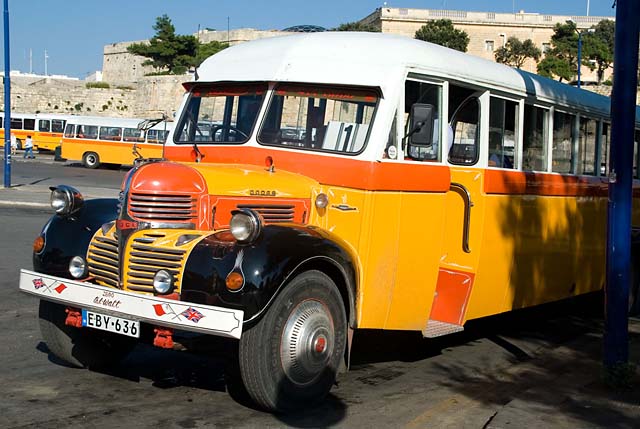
(436, 328)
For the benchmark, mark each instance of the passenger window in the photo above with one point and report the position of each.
(29, 124)
(110, 133)
(423, 93)
(534, 154)
(57, 126)
(503, 120)
(562, 152)
(587, 147)
(464, 125)
(43, 125)
(605, 137)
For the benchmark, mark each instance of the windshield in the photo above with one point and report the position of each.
(220, 114)
(322, 118)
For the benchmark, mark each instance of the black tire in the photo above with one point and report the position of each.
(91, 160)
(290, 357)
(80, 347)
(19, 143)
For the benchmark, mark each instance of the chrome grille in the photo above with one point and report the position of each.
(272, 213)
(102, 259)
(145, 260)
(162, 208)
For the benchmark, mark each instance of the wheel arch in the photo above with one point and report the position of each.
(340, 278)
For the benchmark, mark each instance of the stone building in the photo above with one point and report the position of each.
(487, 31)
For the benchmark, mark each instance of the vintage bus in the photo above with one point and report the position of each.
(22, 125)
(49, 129)
(98, 140)
(45, 129)
(311, 188)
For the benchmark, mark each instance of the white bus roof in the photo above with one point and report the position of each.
(379, 60)
(105, 121)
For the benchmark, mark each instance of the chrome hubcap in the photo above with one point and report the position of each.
(307, 342)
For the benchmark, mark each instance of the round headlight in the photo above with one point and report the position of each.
(65, 200)
(163, 281)
(245, 225)
(78, 267)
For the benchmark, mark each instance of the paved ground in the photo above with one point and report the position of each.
(552, 377)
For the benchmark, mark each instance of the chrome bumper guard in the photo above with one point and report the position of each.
(155, 310)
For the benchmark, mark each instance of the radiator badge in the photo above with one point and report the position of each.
(122, 224)
(262, 193)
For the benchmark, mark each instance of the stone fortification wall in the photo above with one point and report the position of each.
(149, 97)
(119, 66)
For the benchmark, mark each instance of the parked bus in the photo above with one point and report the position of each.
(49, 129)
(45, 129)
(99, 140)
(22, 125)
(311, 188)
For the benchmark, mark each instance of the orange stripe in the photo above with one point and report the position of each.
(329, 170)
(519, 182)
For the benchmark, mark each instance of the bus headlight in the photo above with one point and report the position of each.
(245, 225)
(163, 281)
(78, 267)
(66, 200)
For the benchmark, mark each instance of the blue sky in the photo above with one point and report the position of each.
(74, 32)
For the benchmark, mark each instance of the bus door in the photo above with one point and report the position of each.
(464, 214)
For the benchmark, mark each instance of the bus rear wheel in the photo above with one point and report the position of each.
(91, 160)
(19, 144)
(290, 358)
(80, 347)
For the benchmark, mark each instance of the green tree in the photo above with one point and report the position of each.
(166, 50)
(561, 60)
(357, 26)
(441, 32)
(598, 47)
(205, 50)
(515, 52)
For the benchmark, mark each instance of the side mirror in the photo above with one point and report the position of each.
(421, 125)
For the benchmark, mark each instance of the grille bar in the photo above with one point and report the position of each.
(165, 207)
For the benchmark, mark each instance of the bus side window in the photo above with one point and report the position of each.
(416, 92)
(44, 125)
(503, 118)
(534, 147)
(464, 117)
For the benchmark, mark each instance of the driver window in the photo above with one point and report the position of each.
(464, 108)
(422, 93)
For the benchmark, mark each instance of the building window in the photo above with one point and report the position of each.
(488, 45)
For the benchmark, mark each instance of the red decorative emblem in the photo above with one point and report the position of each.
(61, 287)
(38, 283)
(122, 224)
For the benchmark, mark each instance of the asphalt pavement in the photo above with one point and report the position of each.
(562, 386)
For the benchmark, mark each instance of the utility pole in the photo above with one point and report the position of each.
(7, 100)
(30, 61)
(46, 57)
(623, 115)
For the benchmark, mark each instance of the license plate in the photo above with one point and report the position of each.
(110, 323)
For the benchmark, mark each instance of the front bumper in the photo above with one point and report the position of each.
(155, 310)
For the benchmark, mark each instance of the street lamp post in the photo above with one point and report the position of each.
(579, 55)
(7, 100)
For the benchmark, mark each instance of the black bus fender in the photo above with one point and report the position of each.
(279, 254)
(69, 236)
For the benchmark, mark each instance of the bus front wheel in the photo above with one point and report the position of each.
(91, 160)
(290, 358)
